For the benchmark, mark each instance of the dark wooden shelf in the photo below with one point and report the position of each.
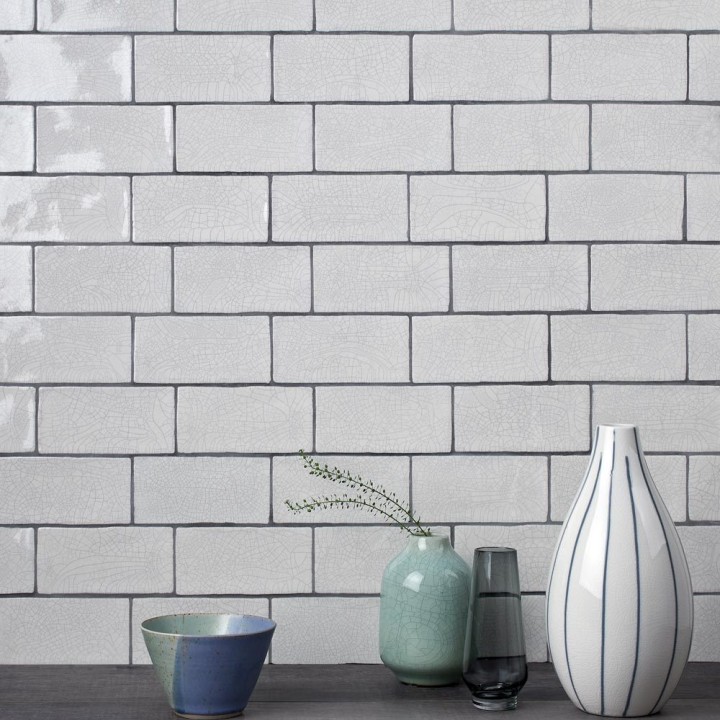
(304, 692)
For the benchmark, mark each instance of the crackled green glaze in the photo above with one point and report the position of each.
(423, 610)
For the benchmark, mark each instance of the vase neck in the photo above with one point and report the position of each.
(424, 543)
(621, 439)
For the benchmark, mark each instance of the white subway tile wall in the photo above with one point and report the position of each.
(431, 242)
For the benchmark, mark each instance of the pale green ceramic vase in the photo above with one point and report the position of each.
(423, 611)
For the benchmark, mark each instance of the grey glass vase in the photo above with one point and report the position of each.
(494, 664)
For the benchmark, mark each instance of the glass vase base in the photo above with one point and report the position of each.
(495, 704)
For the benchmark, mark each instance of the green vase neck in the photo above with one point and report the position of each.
(425, 543)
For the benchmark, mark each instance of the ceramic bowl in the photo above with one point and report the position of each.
(208, 664)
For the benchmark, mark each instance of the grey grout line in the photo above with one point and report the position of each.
(549, 46)
(132, 490)
(452, 138)
(547, 207)
(175, 15)
(411, 82)
(172, 279)
(272, 350)
(548, 518)
(687, 487)
(271, 514)
(452, 419)
(549, 349)
(174, 560)
(36, 537)
(132, 68)
(590, 136)
(35, 140)
(590, 16)
(272, 69)
(174, 138)
(314, 15)
(408, 200)
(175, 420)
(314, 419)
(132, 349)
(687, 347)
(452, 15)
(314, 139)
(130, 632)
(589, 307)
(312, 280)
(270, 210)
(312, 559)
(410, 348)
(687, 68)
(685, 209)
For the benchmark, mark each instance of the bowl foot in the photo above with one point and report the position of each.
(209, 717)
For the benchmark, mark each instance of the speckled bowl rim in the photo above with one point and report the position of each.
(271, 625)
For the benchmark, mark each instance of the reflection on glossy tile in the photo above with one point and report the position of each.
(17, 419)
(85, 209)
(74, 15)
(17, 560)
(64, 630)
(86, 68)
(198, 209)
(102, 279)
(15, 279)
(64, 349)
(106, 420)
(202, 68)
(72, 491)
(84, 138)
(16, 138)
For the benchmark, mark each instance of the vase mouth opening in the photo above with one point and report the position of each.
(617, 426)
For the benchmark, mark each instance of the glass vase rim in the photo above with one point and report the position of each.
(495, 549)
(616, 426)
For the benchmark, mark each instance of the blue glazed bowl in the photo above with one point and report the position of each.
(208, 664)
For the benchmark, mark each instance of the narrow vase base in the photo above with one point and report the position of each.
(495, 704)
(224, 716)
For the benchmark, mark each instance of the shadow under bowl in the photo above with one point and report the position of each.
(208, 663)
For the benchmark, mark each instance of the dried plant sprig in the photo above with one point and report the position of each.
(369, 496)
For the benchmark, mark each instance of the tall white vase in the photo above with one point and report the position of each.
(619, 601)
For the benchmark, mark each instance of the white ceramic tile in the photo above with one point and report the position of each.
(17, 560)
(383, 419)
(291, 481)
(202, 489)
(381, 279)
(251, 419)
(326, 630)
(521, 137)
(249, 15)
(144, 608)
(671, 418)
(15, 279)
(668, 473)
(17, 15)
(703, 207)
(704, 488)
(118, 138)
(656, 15)
(105, 560)
(86, 209)
(80, 15)
(470, 208)
(535, 545)
(17, 151)
(618, 347)
(65, 68)
(703, 556)
(106, 420)
(353, 559)
(244, 138)
(655, 277)
(352, 349)
(619, 67)
(232, 280)
(17, 419)
(102, 279)
(668, 138)
(480, 67)
(243, 561)
(616, 207)
(69, 491)
(366, 68)
(382, 15)
(202, 68)
(706, 634)
(480, 489)
(339, 208)
(535, 15)
(704, 340)
(65, 349)
(198, 209)
(382, 137)
(517, 418)
(704, 59)
(76, 631)
(520, 278)
(466, 348)
(202, 349)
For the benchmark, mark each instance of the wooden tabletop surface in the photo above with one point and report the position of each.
(305, 692)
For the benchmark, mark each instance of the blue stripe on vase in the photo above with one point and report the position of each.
(569, 577)
(564, 529)
(637, 579)
(672, 570)
(604, 591)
